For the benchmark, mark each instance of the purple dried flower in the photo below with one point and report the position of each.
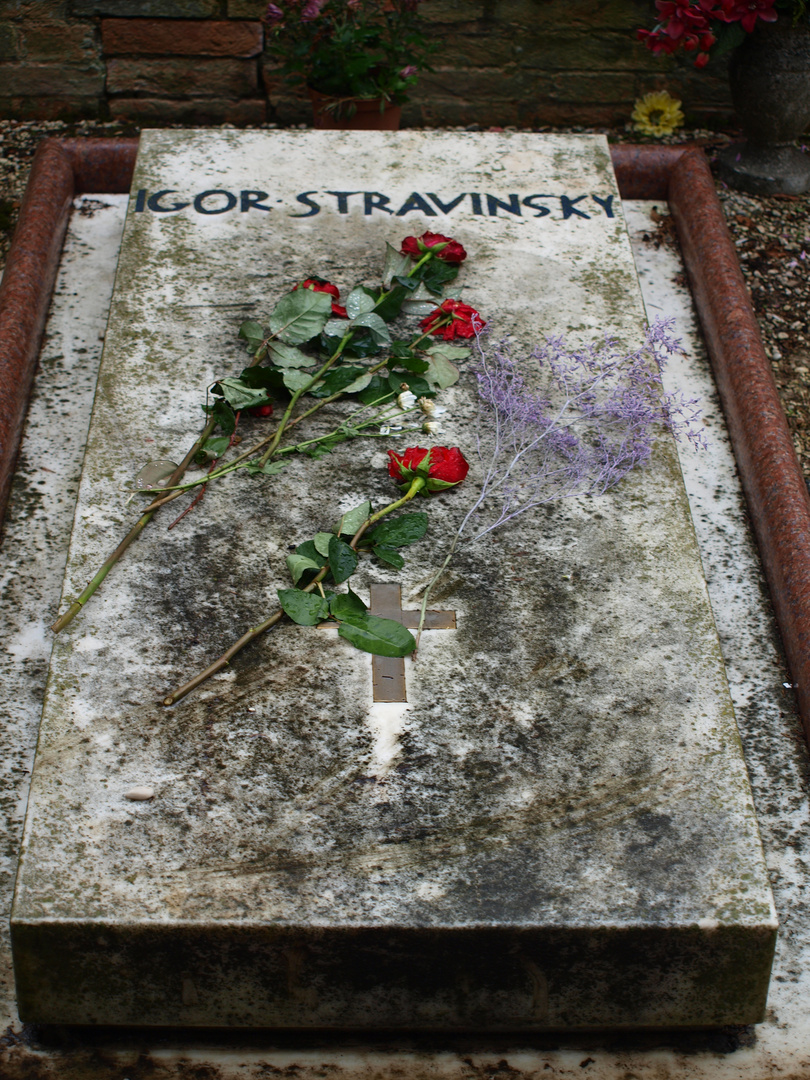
(273, 15)
(593, 421)
(407, 71)
(312, 10)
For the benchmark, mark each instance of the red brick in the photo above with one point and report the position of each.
(63, 44)
(180, 37)
(183, 78)
(50, 80)
(147, 111)
(50, 108)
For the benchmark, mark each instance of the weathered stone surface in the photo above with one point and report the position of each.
(555, 831)
(182, 77)
(181, 37)
(51, 80)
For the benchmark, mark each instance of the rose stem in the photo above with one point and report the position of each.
(134, 532)
(172, 699)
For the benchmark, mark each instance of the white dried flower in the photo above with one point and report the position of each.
(430, 408)
(431, 427)
(385, 429)
(406, 400)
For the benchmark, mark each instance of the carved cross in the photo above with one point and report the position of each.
(388, 672)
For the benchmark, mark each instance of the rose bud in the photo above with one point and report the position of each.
(466, 321)
(261, 410)
(320, 285)
(450, 251)
(441, 467)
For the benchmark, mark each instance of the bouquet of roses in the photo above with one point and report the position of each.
(713, 27)
(314, 353)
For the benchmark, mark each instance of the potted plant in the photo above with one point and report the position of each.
(769, 76)
(357, 58)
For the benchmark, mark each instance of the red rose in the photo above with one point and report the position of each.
(417, 246)
(441, 466)
(466, 322)
(319, 285)
(261, 410)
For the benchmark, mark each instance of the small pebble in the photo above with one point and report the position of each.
(140, 794)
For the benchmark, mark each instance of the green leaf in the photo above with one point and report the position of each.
(337, 380)
(449, 352)
(212, 448)
(223, 414)
(306, 609)
(389, 307)
(347, 606)
(296, 380)
(321, 542)
(238, 395)
(358, 384)
(262, 378)
(253, 468)
(373, 322)
(288, 356)
(253, 334)
(441, 373)
(359, 302)
(408, 359)
(309, 551)
(300, 316)
(399, 532)
(389, 555)
(729, 36)
(325, 446)
(415, 383)
(377, 392)
(353, 519)
(383, 637)
(336, 328)
(342, 560)
(395, 264)
(437, 273)
(298, 566)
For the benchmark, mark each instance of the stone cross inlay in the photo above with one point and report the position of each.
(388, 672)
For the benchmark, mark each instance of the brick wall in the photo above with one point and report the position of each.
(503, 62)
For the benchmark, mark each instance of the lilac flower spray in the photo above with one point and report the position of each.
(595, 419)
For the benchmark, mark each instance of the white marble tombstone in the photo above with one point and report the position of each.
(553, 830)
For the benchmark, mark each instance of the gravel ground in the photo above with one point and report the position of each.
(772, 235)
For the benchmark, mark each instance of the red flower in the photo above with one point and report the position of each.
(417, 246)
(441, 466)
(747, 12)
(261, 410)
(319, 285)
(466, 321)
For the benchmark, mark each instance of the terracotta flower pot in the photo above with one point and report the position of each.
(770, 87)
(366, 116)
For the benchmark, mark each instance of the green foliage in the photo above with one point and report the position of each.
(306, 609)
(347, 606)
(384, 637)
(300, 316)
(342, 560)
(238, 395)
(400, 531)
(389, 555)
(353, 519)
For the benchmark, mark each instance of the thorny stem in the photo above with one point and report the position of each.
(255, 631)
(133, 534)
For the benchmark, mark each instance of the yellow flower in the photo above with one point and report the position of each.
(657, 114)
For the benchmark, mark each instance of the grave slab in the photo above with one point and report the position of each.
(554, 830)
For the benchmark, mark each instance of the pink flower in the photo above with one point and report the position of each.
(406, 72)
(312, 10)
(746, 12)
(273, 15)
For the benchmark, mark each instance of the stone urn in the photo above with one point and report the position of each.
(770, 87)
